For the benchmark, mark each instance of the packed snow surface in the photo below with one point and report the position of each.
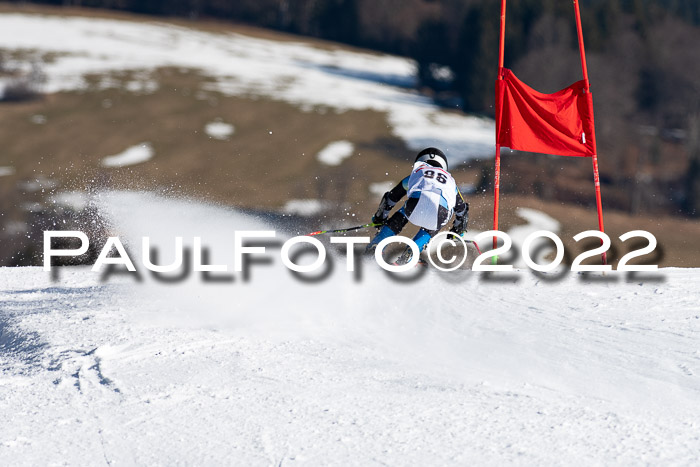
(134, 155)
(265, 369)
(293, 72)
(336, 152)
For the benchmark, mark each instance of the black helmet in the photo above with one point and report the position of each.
(433, 156)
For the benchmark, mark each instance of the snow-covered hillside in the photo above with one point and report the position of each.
(294, 72)
(450, 369)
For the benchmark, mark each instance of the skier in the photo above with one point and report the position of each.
(433, 197)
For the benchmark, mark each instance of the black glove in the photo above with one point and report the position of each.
(456, 231)
(459, 226)
(382, 214)
(379, 220)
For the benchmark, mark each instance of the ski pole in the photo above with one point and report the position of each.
(469, 241)
(371, 224)
(476, 245)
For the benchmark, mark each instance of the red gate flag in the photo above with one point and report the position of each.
(560, 123)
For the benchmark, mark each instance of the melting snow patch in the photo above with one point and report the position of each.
(293, 72)
(335, 153)
(38, 184)
(304, 207)
(219, 130)
(380, 188)
(72, 199)
(32, 206)
(142, 87)
(38, 119)
(16, 227)
(461, 137)
(536, 220)
(4, 171)
(134, 155)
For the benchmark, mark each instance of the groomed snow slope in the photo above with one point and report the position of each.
(450, 369)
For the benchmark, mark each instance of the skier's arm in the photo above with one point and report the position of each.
(389, 200)
(459, 226)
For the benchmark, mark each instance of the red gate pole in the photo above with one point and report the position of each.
(596, 176)
(599, 202)
(581, 49)
(497, 176)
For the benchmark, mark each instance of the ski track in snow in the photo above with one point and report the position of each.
(292, 72)
(450, 369)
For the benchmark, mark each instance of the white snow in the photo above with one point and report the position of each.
(293, 72)
(452, 369)
(76, 200)
(219, 130)
(142, 86)
(5, 171)
(134, 155)
(15, 227)
(38, 119)
(38, 184)
(461, 137)
(335, 153)
(536, 220)
(379, 188)
(31, 206)
(304, 207)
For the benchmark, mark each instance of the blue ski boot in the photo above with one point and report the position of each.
(421, 239)
(385, 232)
